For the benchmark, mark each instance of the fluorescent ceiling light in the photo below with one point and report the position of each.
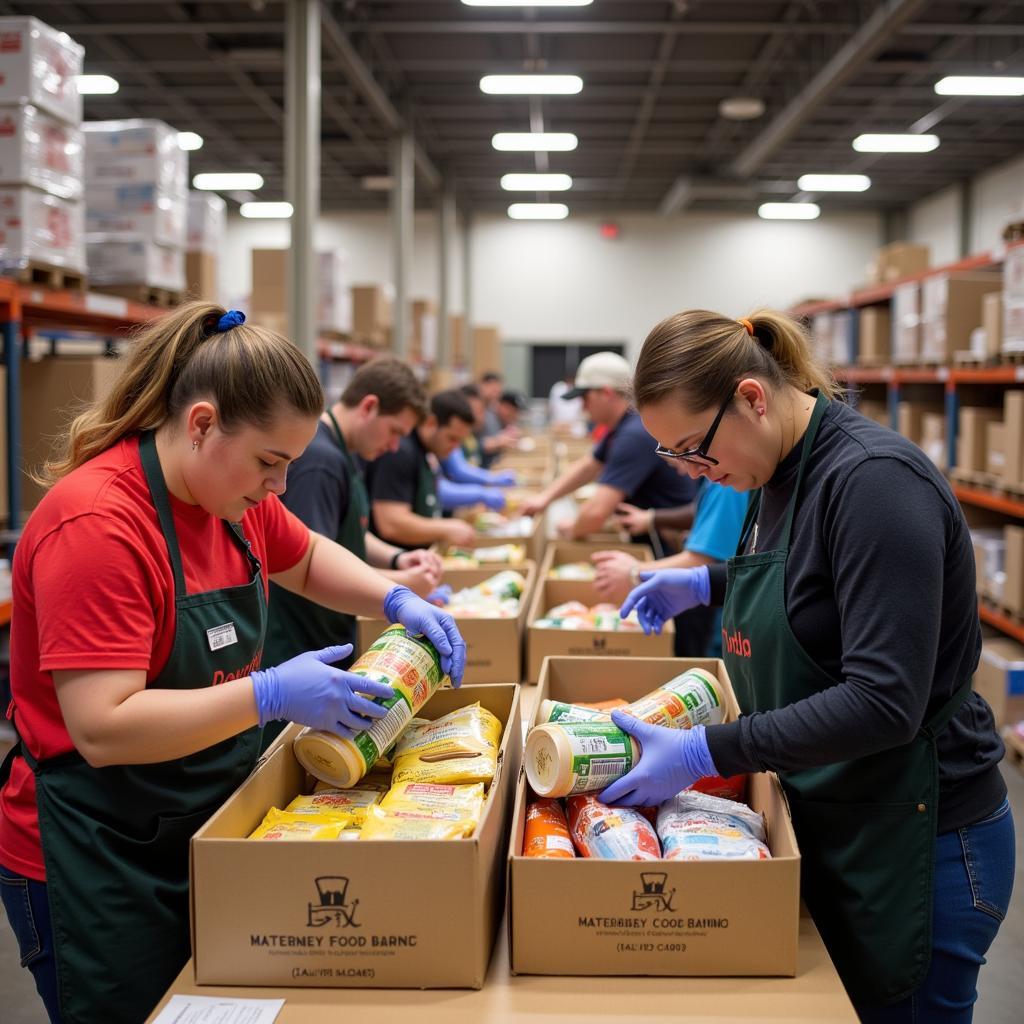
(226, 182)
(895, 143)
(269, 211)
(527, 3)
(833, 182)
(97, 85)
(378, 182)
(788, 211)
(538, 211)
(980, 85)
(741, 108)
(531, 85)
(536, 182)
(534, 142)
(189, 141)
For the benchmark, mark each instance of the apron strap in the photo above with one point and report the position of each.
(753, 508)
(162, 502)
(943, 716)
(820, 405)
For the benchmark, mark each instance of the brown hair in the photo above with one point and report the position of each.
(393, 382)
(450, 405)
(700, 356)
(247, 372)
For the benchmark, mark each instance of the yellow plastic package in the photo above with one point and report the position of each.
(414, 810)
(404, 826)
(348, 803)
(287, 825)
(459, 748)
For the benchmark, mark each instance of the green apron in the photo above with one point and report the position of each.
(116, 839)
(297, 624)
(425, 502)
(866, 828)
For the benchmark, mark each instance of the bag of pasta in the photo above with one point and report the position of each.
(457, 749)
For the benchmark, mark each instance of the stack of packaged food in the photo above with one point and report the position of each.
(573, 571)
(576, 615)
(495, 598)
(473, 558)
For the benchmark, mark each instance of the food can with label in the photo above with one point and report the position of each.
(690, 699)
(565, 758)
(408, 664)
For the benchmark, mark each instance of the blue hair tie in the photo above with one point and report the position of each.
(232, 318)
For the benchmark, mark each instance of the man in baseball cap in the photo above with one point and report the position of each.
(623, 463)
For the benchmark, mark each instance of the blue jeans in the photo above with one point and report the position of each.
(973, 880)
(28, 911)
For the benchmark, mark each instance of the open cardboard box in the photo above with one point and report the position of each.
(382, 914)
(494, 647)
(542, 643)
(704, 918)
(535, 541)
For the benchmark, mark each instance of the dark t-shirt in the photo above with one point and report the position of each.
(630, 465)
(880, 592)
(395, 475)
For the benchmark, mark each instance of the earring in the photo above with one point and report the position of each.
(760, 412)
(195, 446)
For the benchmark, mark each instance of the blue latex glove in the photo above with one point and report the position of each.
(665, 593)
(670, 761)
(506, 478)
(460, 470)
(308, 690)
(419, 617)
(493, 498)
(454, 495)
(440, 596)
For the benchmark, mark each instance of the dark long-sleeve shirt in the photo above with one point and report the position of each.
(880, 592)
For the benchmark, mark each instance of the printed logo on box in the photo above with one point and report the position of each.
(333, 908)
(652, 895)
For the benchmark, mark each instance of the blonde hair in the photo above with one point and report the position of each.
(700, 356)
(248, 372)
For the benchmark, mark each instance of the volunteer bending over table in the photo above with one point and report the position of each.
(140, 604)
(850, 628)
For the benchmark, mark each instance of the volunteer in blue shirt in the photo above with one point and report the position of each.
(852, 634)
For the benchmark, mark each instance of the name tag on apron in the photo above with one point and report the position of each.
(221, 636)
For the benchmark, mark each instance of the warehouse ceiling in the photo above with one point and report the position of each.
(650, 134)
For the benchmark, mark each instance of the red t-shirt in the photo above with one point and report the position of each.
(93, 589)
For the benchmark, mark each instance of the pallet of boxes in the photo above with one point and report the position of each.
(136, 198)
(207, 224)
(386, 848)
(1011, 343)
(269, 299)
(42, 216)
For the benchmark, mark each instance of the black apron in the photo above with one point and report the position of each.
(116, 839)
(866, 828)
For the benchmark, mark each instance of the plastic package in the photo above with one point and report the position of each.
(547, 832)
(695, 826)
(459, 748)
(610, 833)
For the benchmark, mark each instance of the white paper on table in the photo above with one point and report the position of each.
(215, 1010)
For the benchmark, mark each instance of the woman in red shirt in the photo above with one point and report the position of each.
(140, 604)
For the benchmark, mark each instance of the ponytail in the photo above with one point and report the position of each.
(700, 356)
(248, 372)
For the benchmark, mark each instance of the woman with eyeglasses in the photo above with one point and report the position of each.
(850, 633)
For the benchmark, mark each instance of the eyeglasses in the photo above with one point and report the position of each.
(699, 455)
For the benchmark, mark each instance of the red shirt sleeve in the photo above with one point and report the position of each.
(97, 597)
(287, 537)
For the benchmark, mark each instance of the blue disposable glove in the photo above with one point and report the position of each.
(506, 478)
(419, 617)
(665, 593)
(308, 690)
(441, 595)
(670, 761)
(493, 498)
(454, 495)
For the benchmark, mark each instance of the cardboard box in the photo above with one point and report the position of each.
(1013, 418)
(201, 275)
(494, 647)
(845, 331)
(40, 65)
(136, 151)
(712, 918)
(1000, 679)
(269, 281)
(933, 438)
(1013, 586)
(207, 222)
(458, 342)
(822, 327)
(874, 336)
(1013, 326)
(38, 226)
(401, 915)
(972, 442)
(53, 391)
(423, 330)
(486, 350)
(875, 410)
(1013, 273)
(896, 260)
(371, 311)
(40, 150)
(334, 299)
(906, 323)
(542, 643)
(535, 541)
(130, 212)
(989, 546)
(995, 449)
(114, 261)
(910, 418)
(952, 309)
(992, 324)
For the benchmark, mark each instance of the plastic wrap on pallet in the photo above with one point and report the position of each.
(40, 65)
(207, 222)
(139, 151)
(36, 226)
(114, 261)
(906, 322)
(128, 212)
(334, 300)
(41, 150)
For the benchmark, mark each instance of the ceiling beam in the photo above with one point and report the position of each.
(875, 33)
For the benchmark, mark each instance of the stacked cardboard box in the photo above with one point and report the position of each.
(486, 350)
(1000, 679)
(906, 323)
(269, 300)
(1003, 455)
(41, 168)
(972, 438)
(875, 410)
(822, 327)
(333, 298)
(951, 310)
(896, 260)
(874, 333)
(1013, 301)
(423, 333)
(207, 217)
(136, 196)
(911, 418)
(989, 545)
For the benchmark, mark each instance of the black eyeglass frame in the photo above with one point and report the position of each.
(699, 455)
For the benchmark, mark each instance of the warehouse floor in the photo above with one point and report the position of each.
(1000, 999)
